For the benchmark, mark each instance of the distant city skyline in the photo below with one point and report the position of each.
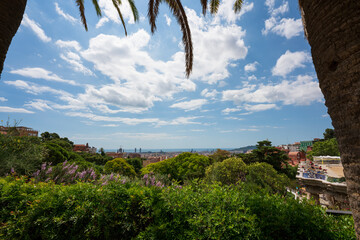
(253, 77)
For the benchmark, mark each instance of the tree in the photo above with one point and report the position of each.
(119, 165)
(219, 156)
(329, 134)
(325, 148)
(182, 167)
(229, 171)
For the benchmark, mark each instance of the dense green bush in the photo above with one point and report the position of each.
(22, 154)
(97, 158)
(132, 211)
(264, 177)
(229, 171)
(120, 166)
(136, 163)
(182, 167)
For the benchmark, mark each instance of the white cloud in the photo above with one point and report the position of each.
(35, 89)
(226, 11)
(209, 94)
(2, 99)
(211, 63)
(35, 27)
(226, 111)
(75, 63)
(259, 107)
(190, 105)
(234, 118)
(68, 44)
(66, 16)
(39, 104)
(286, 27)
(303, 91)
(148, 136)
(168, 19)
(252, 78)
(40, 73)
(14, 110)
(110, 12)
(179, 121)
(283, 8)
(289, 61)
(101, 22)
(251, 67)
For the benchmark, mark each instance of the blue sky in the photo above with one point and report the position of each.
(252, 78)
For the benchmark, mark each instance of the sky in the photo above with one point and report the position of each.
(252, 79)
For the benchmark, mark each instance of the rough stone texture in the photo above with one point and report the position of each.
(333, 32)
(11, 14)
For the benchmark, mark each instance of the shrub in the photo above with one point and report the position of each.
(183, 167)
(119, 165)
(22, 154)
(229, 171)
(265, 177)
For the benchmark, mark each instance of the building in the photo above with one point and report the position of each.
(84, 148)
(324, 180)
(296, 157)
(115, 154)
(19, 131)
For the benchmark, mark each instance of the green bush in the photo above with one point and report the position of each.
(133, 211)
(229, 171)
(264, 177)
(120, 166)
(183, 167)
(22, 154)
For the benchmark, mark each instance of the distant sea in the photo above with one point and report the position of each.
(145, 150)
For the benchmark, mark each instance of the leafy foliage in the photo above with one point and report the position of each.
(229, 171)
(324, 148)
(329, 134)
(125, 210)
(183, 167)
(265, 177)
(119, 165)
(136, 163)
(22, 154)
(219, 156)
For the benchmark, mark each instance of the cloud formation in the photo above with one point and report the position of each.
(289, 61)
(190, 105)
(35, 27)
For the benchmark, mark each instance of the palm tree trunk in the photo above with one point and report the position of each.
(11, 14)
(333, 31)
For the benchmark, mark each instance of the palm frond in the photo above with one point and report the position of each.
(237, 5)
(153, 11)
(80, 4)
(204, 6)
(134, 10)
(116, 4)
(97, 8)
(214, 6)
(180, 15)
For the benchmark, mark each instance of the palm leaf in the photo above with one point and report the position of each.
(134, 10)
(204, 6)
(116, 4)
(214, 6)
(80, 4)
(153, 11)
(97, 8)
(237, 5)
(180, 15)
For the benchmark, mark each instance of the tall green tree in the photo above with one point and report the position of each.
(325, 148)
(329, 134)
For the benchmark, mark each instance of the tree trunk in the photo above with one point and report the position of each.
(11, 14)
(333, 31)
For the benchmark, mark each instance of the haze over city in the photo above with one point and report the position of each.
(253, 77)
